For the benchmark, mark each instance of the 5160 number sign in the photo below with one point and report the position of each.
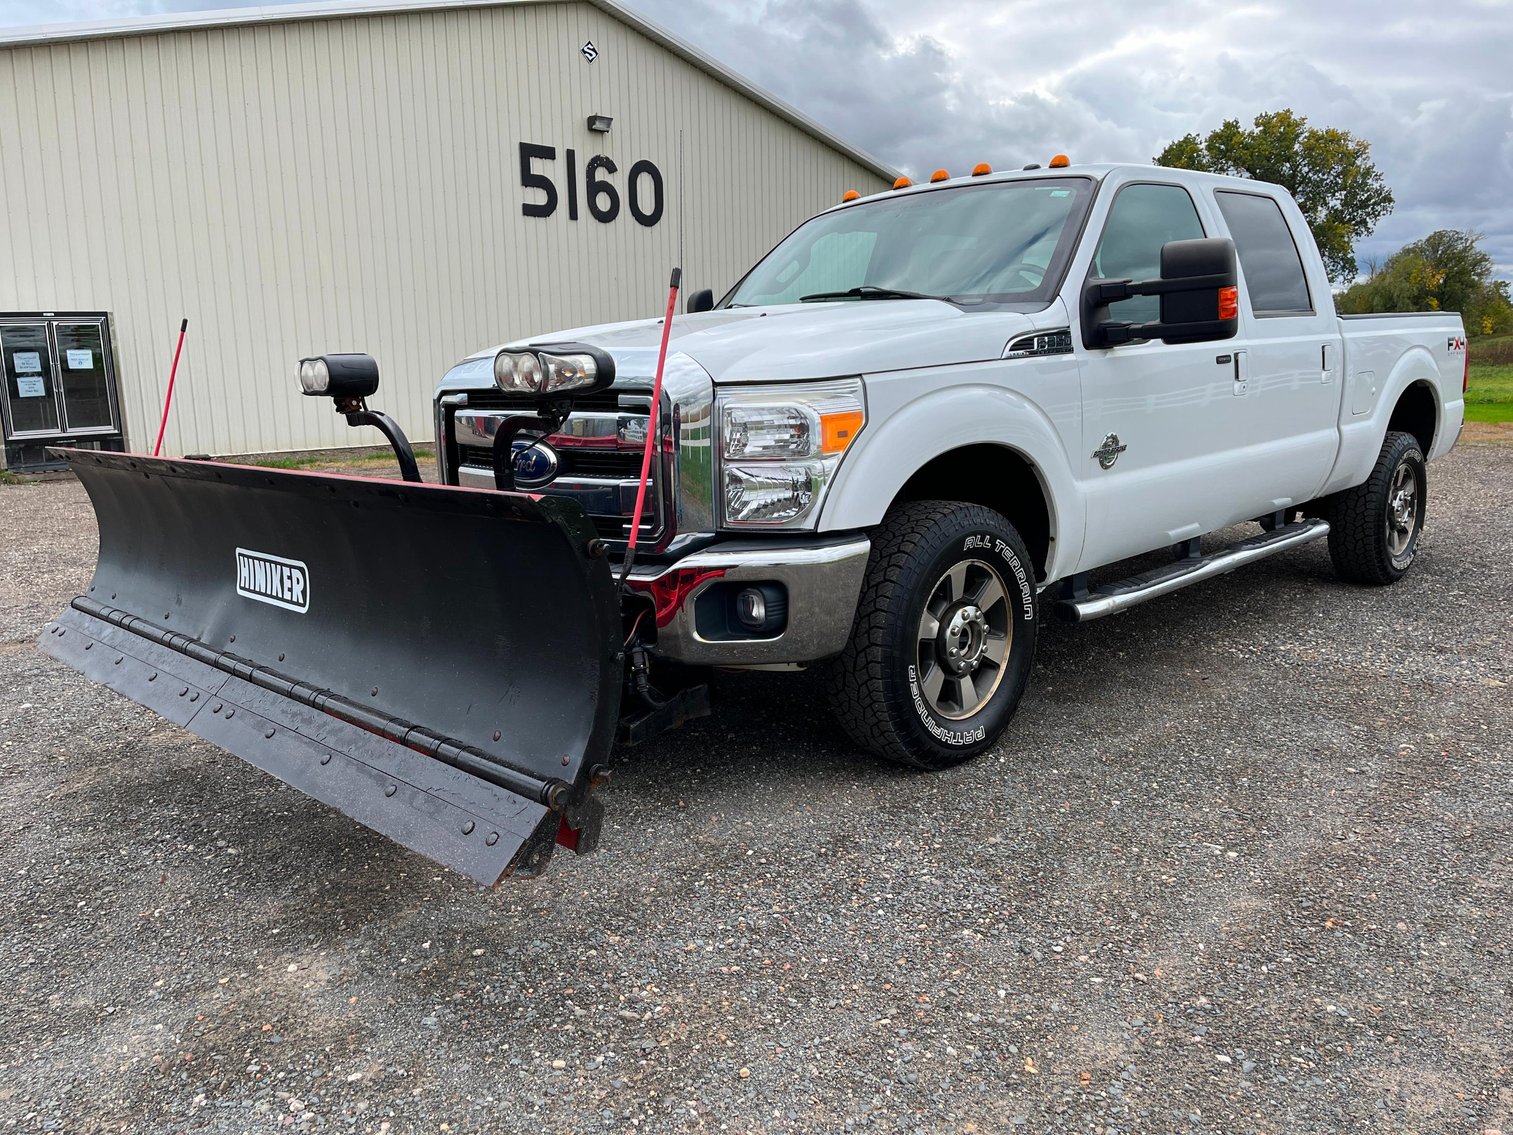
(643, 186)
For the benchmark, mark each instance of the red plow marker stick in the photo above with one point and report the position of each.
(168, 398)
(651, 425)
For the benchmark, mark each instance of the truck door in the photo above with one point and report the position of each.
(1291, 355)
(1162, 423)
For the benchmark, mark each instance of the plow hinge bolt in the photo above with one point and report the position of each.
(467, 828)
(491, 839)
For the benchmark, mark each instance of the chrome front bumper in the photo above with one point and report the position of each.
(824, 581)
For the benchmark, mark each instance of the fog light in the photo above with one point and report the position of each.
(732, 612)
(751, 609)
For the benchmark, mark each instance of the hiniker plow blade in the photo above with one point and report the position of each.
(440, 664)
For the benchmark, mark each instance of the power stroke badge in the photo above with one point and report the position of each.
(273, 579)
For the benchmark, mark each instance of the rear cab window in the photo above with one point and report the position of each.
(1275, 283)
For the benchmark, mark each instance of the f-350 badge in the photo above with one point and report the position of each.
(1109, 451)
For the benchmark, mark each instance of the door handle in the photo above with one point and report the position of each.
(1242, 373)
(1327, 355)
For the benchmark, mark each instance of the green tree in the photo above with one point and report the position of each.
(1446, 271)
(1328, 172)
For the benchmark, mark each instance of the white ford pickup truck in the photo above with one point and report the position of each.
(929, 412)
(922, 417)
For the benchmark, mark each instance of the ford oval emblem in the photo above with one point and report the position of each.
(535, 465)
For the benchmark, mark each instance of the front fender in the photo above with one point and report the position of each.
(907, 430)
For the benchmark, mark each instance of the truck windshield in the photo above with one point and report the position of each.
(1000, 242)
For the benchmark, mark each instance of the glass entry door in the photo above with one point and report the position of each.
(59, 377)
(82, 380)
(31, 388)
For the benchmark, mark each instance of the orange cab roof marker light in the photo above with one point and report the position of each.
(939, 175)
(849, 195)
(1060, 161)
(981, 168)
(902, 183)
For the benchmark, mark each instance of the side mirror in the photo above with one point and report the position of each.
(701, 300)
(1200, 298)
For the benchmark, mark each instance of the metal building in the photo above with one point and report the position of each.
(416, 180)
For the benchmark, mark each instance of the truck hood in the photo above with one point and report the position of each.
(801, 341)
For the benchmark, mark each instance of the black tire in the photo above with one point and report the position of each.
(1374, 527)
(946, 557)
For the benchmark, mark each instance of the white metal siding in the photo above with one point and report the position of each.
(353, 184)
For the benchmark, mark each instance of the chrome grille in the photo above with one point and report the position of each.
(599, 450)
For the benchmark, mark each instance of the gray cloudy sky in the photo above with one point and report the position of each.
(949, 83)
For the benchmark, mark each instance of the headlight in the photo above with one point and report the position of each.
(568, 372)
(517, 372)
(770, 494)
(780, 448)
(554, 369)
(339, 375)
(314, 376)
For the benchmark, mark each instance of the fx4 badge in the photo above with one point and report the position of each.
(1109, 451)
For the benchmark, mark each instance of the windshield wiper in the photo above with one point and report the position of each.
(869, 292)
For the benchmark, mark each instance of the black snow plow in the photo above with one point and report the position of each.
(443, 665)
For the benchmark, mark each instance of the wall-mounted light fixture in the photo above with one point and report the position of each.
(599, 123)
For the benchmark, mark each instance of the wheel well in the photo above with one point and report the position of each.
(997, 478)
(1417, 413)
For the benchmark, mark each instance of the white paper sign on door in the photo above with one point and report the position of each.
(81, 360)
(27, 362)
(30, 386)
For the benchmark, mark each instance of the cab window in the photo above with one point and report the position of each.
(1269, 259)
(1143, 218)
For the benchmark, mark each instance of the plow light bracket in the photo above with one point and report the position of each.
(348, 380)
(339, 376)
(553, 371)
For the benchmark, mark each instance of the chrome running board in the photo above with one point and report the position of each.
(1111, 598)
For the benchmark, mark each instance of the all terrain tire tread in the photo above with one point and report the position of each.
(858, 676)
(1357, 516)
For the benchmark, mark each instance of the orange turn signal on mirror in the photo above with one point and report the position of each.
(1229, 303)
(838, 429)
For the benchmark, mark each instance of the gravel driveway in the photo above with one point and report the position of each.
(1242, 864)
